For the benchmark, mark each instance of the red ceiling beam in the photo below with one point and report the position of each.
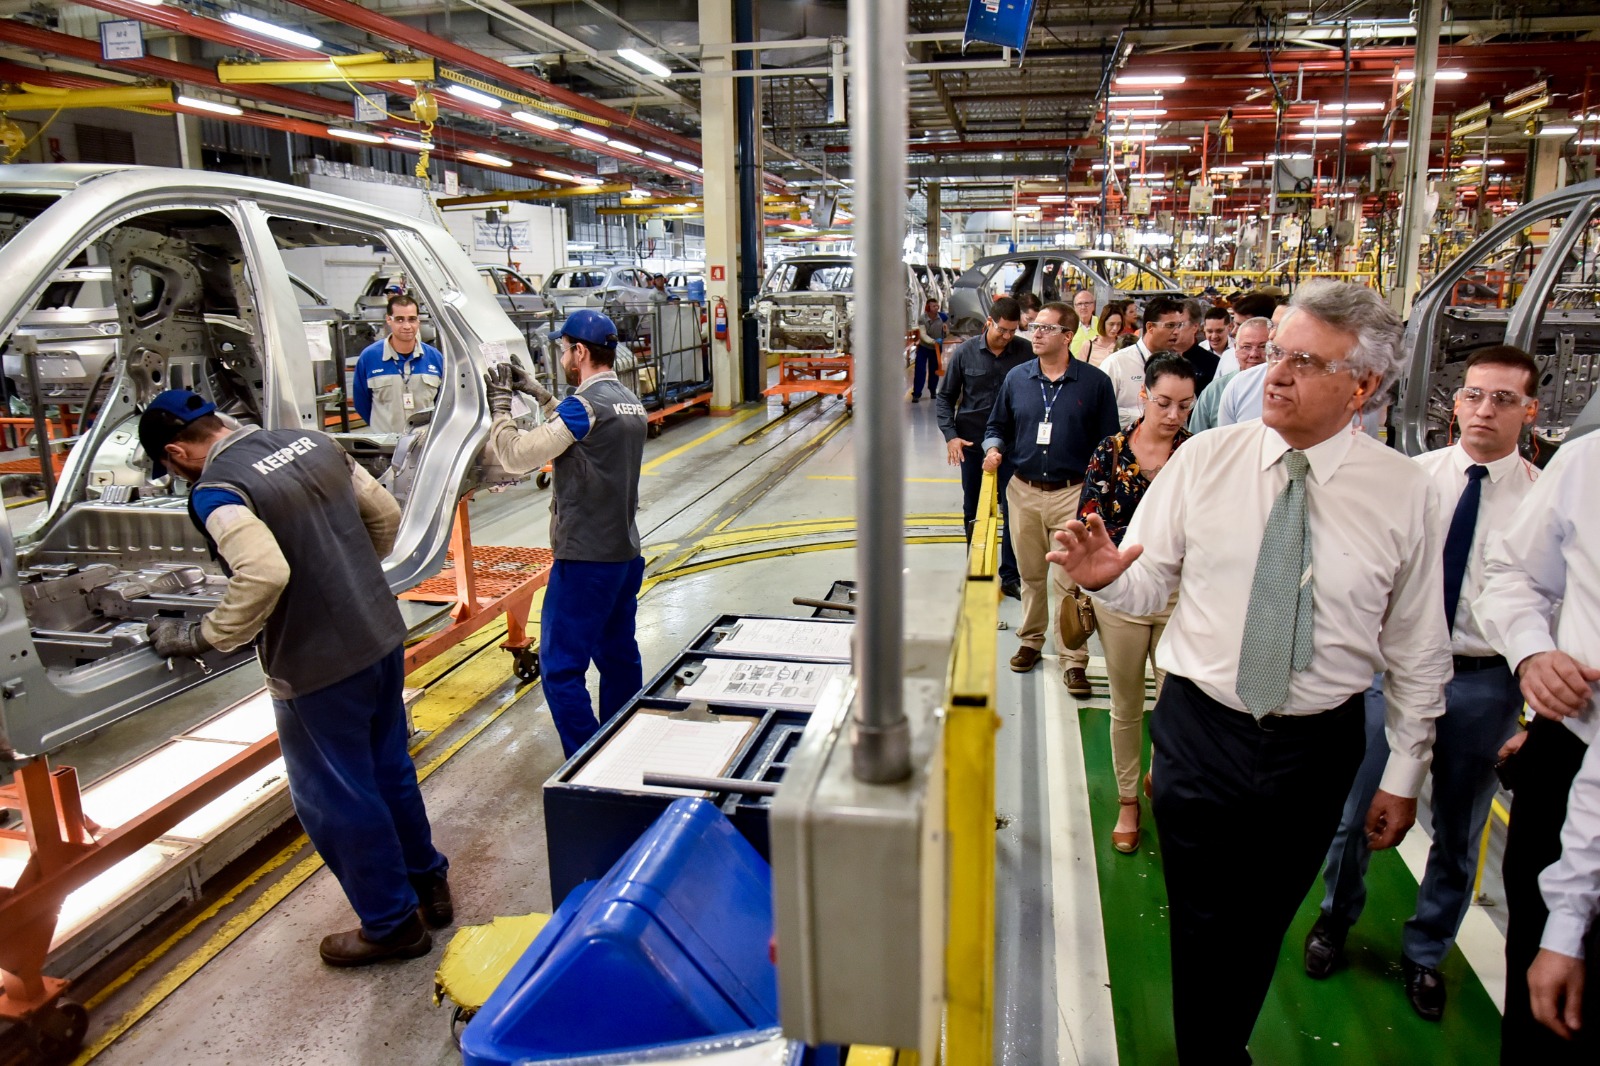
(349, 14)
(978, 147)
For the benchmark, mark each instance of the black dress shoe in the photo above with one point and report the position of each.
(410, 941)
(1012, 589)
(1324, 949)
(434, 902)
(1425, 990)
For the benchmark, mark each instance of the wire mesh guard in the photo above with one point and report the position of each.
(496, 571)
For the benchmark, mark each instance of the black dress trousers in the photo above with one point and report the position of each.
(1246, 811)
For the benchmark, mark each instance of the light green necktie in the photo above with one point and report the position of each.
(1277, 629)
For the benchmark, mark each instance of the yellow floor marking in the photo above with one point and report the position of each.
(727, 424)
(235, 926)
(909, 480)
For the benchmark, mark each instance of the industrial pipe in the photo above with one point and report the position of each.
(881, 737)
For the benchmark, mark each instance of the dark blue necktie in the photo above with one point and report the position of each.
(1458, 542)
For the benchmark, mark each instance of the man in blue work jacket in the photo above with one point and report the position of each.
(299, 529)
(398, 376)
(594, 440)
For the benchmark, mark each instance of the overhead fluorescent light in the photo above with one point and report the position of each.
(537, 120)
(1140, 126)
(1113, 166)
(1438, 75)
(1255, 163)
(633, 149)
(644, 62)
(1148, 80)
(1384, 144)
(1483, 162)
(1169, 148)
(268, 29)
(1052, 199)
(354, 135)
(408, 143)
(1273, 158)
(212, 105)
(683, 165)
(1086, 199)
(657, 156)
(589, 134)
(1327, 122)
(1140, 138)
(557, 175)
(1239, 169)
(461, 92)
(584, 179)
(637, 191)
(1558, 131)
(487, 159)
(1314, 135)
(1356, 105)
(1135, 98)
(1140, 112)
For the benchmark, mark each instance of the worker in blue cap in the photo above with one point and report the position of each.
(300, 530)
(594, 440)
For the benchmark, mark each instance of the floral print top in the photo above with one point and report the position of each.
(1114, 484)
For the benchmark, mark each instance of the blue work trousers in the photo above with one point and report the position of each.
(588, 616)
(354, 787)
(1480, 715)
(971, 485)
(926, 371)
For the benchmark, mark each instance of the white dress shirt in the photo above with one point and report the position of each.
(1125, 368)
(1378, 573)
(1571, 886)
(1549, 558)
(1227, 362)
(1508, 482)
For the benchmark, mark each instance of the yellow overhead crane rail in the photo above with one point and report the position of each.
(448, 202)
(518, 98)
(42, 98)
(367, 66)
(663, 209)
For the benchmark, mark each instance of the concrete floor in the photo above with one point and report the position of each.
(265, 998)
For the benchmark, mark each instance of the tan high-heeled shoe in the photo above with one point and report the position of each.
(1128, 843)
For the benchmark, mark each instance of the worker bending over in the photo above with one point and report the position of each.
(300, 530)
(399, 375)
(595, 441)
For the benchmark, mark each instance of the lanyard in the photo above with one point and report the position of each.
(1050, 398)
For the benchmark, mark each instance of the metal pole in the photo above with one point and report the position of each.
(1414, 218)
(881, 738)
(752, 226)
(41, 425)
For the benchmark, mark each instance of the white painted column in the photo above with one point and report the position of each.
(719, 124)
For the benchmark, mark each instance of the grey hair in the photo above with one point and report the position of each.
(1195, 310)
(1260, 320)
(1360, 311)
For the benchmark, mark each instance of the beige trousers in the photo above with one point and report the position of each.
(1034, 516)
(1129, 643)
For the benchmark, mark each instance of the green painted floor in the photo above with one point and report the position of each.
(1360, 1014)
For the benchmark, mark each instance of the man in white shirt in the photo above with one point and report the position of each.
(1219, 341)
(1480, 481)
(1540, 608)
(1306, 559)
(1571, 888)
(1164, 319)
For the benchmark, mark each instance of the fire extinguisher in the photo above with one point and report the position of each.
(719, 323)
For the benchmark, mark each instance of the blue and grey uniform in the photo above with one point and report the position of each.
(332, 651)
(387, 388)
(594, 441)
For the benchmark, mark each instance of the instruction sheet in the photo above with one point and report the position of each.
(655, 743)
(762, 683)
(802, 638)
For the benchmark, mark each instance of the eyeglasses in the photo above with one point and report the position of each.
(1503, 399)
(1004, 331)
(1047, 329)
(1305, 364)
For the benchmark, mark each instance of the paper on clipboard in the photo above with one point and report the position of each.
(802, 638)
(762, 682)
(658, 744)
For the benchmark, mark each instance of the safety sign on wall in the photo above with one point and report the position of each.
(372, 107)
(502, 236)
(121, 40)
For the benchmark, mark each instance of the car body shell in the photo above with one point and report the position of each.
(1052, 274)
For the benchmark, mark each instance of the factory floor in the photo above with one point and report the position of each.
(1081, 967)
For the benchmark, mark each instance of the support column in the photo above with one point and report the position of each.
(719, 121)
(934, 220)
(187, 127)
(1414, 215)
(752, 217)
(1547, 167)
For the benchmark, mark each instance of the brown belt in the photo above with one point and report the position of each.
(1049, 486)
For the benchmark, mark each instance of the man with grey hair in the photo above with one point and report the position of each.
(1250, 349)
(1306, 559)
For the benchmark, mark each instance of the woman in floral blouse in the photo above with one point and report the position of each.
(1119, 472)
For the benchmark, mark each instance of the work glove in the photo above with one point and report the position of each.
(498, 381)
(523, 381)
(173, 639)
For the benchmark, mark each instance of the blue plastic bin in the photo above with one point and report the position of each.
(671, 945)
(697, 291)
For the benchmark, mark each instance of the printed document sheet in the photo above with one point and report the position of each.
(658, 744)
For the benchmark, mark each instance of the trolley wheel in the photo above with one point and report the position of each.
(525, 664)
(541, 480)
(58, 1032)
(654, 430)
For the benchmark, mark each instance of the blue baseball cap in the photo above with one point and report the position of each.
(168, 415)
(590, 327)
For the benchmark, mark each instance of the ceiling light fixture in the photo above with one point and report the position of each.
(584, 179)
(1373, 145)
(1483, 162)
(1135, 98)
(1438, 75)
(1558, 131)
(631, 149)
(1139, 112)
(657, 156)
(1148, 80)
(409, 144)
(589, 134)
(208, 105)
(537, 120)
(354, 135)
(1327, 122)
(1169, 148)
(461, 92)
(268, 29)
(557, 175)
(1356, 105)
(487, 159)
(644, 62)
